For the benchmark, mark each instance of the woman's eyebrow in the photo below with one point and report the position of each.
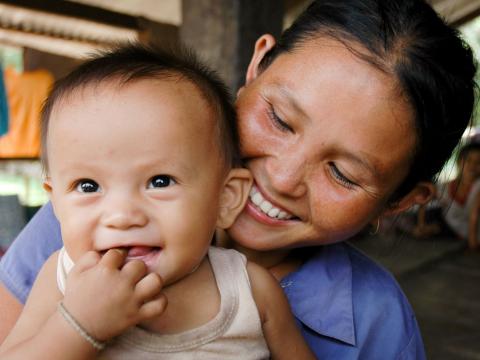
(365, 161)
(289, 96)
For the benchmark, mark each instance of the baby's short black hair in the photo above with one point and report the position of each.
(135, 62)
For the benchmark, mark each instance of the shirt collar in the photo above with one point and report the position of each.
(320, 293)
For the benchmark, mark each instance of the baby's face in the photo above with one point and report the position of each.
(136, 166)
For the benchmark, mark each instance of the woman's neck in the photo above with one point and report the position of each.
(278, 262)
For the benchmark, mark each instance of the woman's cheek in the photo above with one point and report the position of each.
(253, 124)
(250, 132)
(342, 209)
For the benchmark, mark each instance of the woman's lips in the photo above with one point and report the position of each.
(264, 211)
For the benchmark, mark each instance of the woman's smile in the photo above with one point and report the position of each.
(261, 204)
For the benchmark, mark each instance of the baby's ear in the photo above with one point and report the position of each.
(234, 196)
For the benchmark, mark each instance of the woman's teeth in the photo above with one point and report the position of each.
(266, 206)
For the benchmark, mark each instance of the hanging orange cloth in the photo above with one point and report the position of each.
(26, 93)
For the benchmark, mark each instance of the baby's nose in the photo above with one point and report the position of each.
(125, 214)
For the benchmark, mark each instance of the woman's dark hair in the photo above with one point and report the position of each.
(406, 38)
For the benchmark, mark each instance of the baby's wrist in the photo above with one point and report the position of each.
(75, 325)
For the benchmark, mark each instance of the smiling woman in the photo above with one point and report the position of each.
(318, 151)
(343, 120)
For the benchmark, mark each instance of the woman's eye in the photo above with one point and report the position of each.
(342, 179)
(279, 123)
(87, 186)
(160, 181)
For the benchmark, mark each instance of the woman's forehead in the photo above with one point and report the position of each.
(327, 75)
(326, 58)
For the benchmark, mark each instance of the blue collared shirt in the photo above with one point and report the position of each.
(32, 247)
(347, 306)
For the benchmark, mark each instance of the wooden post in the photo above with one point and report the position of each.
(224, 32)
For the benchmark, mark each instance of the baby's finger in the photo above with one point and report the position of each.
(153, 308)
(86, 261)
(134, 270)
(114, 258)
(148, 287)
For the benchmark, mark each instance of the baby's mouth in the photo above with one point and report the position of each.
(141, 252)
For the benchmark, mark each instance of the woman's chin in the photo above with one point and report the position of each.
(252, 240)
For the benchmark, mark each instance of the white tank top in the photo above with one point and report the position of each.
(234, 333)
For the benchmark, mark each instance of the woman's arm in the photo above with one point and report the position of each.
(22, 262)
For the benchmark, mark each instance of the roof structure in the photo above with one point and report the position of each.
(78, 27)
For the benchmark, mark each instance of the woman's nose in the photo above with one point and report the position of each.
(124, 214)
(287, 175)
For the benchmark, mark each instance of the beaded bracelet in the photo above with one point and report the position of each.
(99, 345)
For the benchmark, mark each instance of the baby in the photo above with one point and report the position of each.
(141, 156)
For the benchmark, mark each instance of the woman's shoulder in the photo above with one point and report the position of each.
(373, 284)
(345, 263)
(340, 293)
(381, 308)
(365, 269)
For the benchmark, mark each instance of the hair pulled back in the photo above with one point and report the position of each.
(405, 38)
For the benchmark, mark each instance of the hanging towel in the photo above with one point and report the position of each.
(26, 93)
(3, 106)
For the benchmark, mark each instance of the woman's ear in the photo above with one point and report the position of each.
(263, 45)
(421, 194)
(47, 186)
(234, 196)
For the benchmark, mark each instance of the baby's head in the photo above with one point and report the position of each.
(140, 151)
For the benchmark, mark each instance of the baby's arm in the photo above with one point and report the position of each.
(103, 296)
(10, 309)
(279, 328)
(39, 329)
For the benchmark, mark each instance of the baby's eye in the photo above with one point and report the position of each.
(87, 186)
(160, 181)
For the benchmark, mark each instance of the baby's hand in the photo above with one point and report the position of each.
(106, 297)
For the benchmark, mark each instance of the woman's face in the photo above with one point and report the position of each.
(328, 139)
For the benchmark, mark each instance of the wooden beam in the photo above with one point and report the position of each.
(77, 10)
(78, 22)
(224, 32)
